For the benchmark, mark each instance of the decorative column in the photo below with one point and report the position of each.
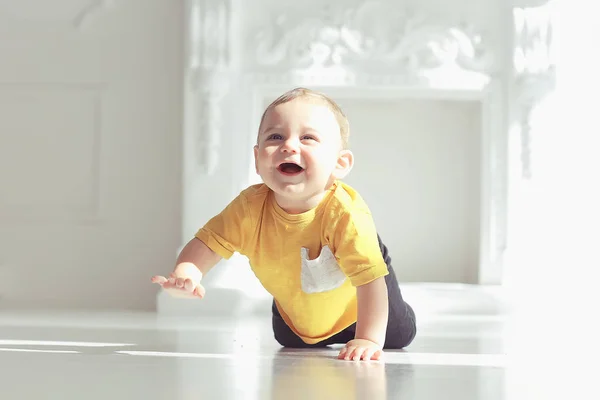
(533, 80)
(534, 72)
(556, 240)
(207, 74)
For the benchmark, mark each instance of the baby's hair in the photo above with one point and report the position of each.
(300, 92)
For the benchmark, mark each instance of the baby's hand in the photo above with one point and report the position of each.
(180, 287)
(361, 349)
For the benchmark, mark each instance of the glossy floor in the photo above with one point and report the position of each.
(140, 356)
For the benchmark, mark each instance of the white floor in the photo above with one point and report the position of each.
(144, 356)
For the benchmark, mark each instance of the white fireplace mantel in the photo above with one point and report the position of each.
(241, 54)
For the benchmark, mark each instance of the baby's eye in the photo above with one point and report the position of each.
(275, 136)
(308, 137)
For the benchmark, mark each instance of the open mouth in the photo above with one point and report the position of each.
(290, 169)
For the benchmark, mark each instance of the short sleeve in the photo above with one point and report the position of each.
(227, 231)
(356, 247)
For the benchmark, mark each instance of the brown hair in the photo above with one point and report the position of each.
(332, 105)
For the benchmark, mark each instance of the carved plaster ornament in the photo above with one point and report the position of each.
(344, 47)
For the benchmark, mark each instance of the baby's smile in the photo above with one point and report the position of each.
(290, 169)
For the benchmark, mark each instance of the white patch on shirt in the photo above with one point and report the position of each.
(321, 274)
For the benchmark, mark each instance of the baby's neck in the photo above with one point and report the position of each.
(299, 206)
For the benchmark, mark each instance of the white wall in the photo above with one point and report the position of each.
(417, 166)
(90, 151)
(91, 85)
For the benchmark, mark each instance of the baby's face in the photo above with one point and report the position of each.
(298, 148)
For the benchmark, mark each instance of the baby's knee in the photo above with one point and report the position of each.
(291, 340)
(286, 340)
(401, 338)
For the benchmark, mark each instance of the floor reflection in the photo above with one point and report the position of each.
(318, 374)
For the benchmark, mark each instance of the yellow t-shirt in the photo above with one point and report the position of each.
(310, 262)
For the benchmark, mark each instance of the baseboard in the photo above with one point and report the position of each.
(425, 298)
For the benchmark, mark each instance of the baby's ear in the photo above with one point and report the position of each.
(256, 158)
(344, 164)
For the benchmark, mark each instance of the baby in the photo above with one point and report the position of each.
(310, 239)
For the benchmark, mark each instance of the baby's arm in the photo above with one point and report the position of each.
(372, 311)
(357, 247)
(371, 324)
(194, 261)
(224, 233)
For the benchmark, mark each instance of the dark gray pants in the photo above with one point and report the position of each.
(401, 328)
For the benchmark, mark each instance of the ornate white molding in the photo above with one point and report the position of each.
(208, 72)
(534, 70)
(376, 43)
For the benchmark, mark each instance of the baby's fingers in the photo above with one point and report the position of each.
(159, 279)
(371, 354)
(199, 291)
(358, 354)
(188, 285)
(347, 352)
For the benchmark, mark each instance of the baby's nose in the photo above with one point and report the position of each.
(290, 146)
